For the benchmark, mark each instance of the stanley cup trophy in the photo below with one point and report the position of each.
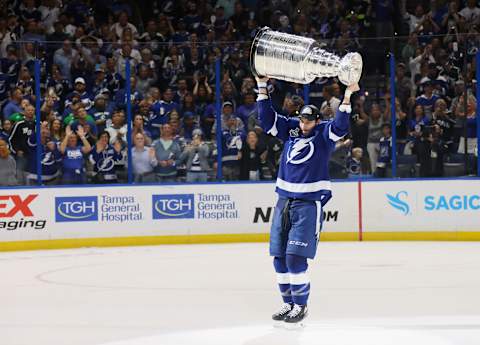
(300, 60)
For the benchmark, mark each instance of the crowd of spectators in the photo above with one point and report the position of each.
(83, 47)
(435, 104)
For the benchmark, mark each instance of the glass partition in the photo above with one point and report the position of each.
(170, 97)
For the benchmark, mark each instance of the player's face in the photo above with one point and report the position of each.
(307, 125)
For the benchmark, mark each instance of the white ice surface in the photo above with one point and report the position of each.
(404, 293)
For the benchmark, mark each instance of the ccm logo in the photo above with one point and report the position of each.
(8, 210)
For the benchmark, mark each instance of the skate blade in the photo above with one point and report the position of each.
(278, 324)
(294, 326)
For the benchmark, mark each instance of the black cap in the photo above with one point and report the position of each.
(310, 112)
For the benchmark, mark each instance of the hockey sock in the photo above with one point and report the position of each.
(283, 278)
(299, 280)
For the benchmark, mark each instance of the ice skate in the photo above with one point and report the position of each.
(279, 317)
(296, 317)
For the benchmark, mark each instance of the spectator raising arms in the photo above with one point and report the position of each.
(73, 153)
(104, 157)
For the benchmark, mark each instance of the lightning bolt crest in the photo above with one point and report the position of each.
(297, 147)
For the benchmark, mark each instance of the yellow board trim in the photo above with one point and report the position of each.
(154, 240)
(422, 236)
(231, 238)
(339, 236)
(131, 241)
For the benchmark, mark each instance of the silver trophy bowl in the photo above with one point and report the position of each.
(299, 59)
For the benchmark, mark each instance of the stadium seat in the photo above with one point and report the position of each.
(453, 169)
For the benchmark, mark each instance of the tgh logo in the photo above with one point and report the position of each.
(173, 206)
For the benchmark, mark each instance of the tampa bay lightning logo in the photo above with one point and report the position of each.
(196, 159)
(48, 159)
(300, 151)
(106, 164)
(397, 203)
(235, 143)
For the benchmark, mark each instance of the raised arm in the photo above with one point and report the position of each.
(339, 126)
(272, 122)
(63, 144)
(86, 145)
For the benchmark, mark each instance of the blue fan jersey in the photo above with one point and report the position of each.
(73, 162)
(303, 172)
(50, 160)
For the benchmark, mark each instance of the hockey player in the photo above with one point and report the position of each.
(303, 189)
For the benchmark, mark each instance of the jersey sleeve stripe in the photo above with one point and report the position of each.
(274, 131)
(332, 135)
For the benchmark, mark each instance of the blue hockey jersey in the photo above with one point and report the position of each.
(427, 103)
(104, 161)
(303, 171)
(385, 155)
(232, 142)
(50, 160)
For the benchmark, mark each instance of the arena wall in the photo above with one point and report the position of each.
(57, 217)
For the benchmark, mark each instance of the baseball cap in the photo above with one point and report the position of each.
(80, 80)
(310, 112)
(227, 103)
(101, 96)
(99, 68)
